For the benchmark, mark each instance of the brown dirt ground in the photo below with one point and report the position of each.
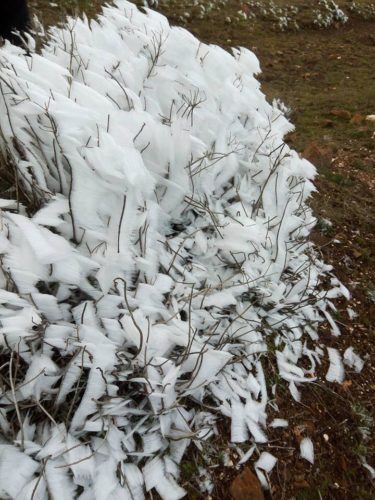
(315, 72)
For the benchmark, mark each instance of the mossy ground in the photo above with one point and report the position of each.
(314, 71)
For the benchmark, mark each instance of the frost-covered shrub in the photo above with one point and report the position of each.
(366, 11)
(200, 9)
(284, 17)
(328, 13)
(160, 251)
(196, 9)
(282, 107)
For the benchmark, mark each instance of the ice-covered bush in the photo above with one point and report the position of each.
(198, 9)
(328, 13)
(155, 259)
(366, 11)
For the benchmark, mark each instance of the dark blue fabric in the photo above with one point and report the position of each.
(14, 16)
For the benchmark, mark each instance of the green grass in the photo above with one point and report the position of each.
(50, 15)
(338, 179)
(316, 493)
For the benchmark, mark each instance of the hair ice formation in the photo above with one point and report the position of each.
(160, 254)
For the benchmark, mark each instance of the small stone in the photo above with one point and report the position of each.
(357, 119)
(342, 114)
(320, 156)
(246, 486)
(301, 485)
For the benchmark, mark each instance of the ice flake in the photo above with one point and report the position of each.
(246, 456)
(351, 313)
(307, 450)
(266, 462)
(336, 372)
(58, 479)
(239, 432)
(16, 470)
(279, 422)
(353, 360)
(370, 469)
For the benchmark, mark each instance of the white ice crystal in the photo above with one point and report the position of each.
(307, 450)
(160, 250)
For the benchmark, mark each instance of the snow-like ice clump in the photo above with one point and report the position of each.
(159, 253)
